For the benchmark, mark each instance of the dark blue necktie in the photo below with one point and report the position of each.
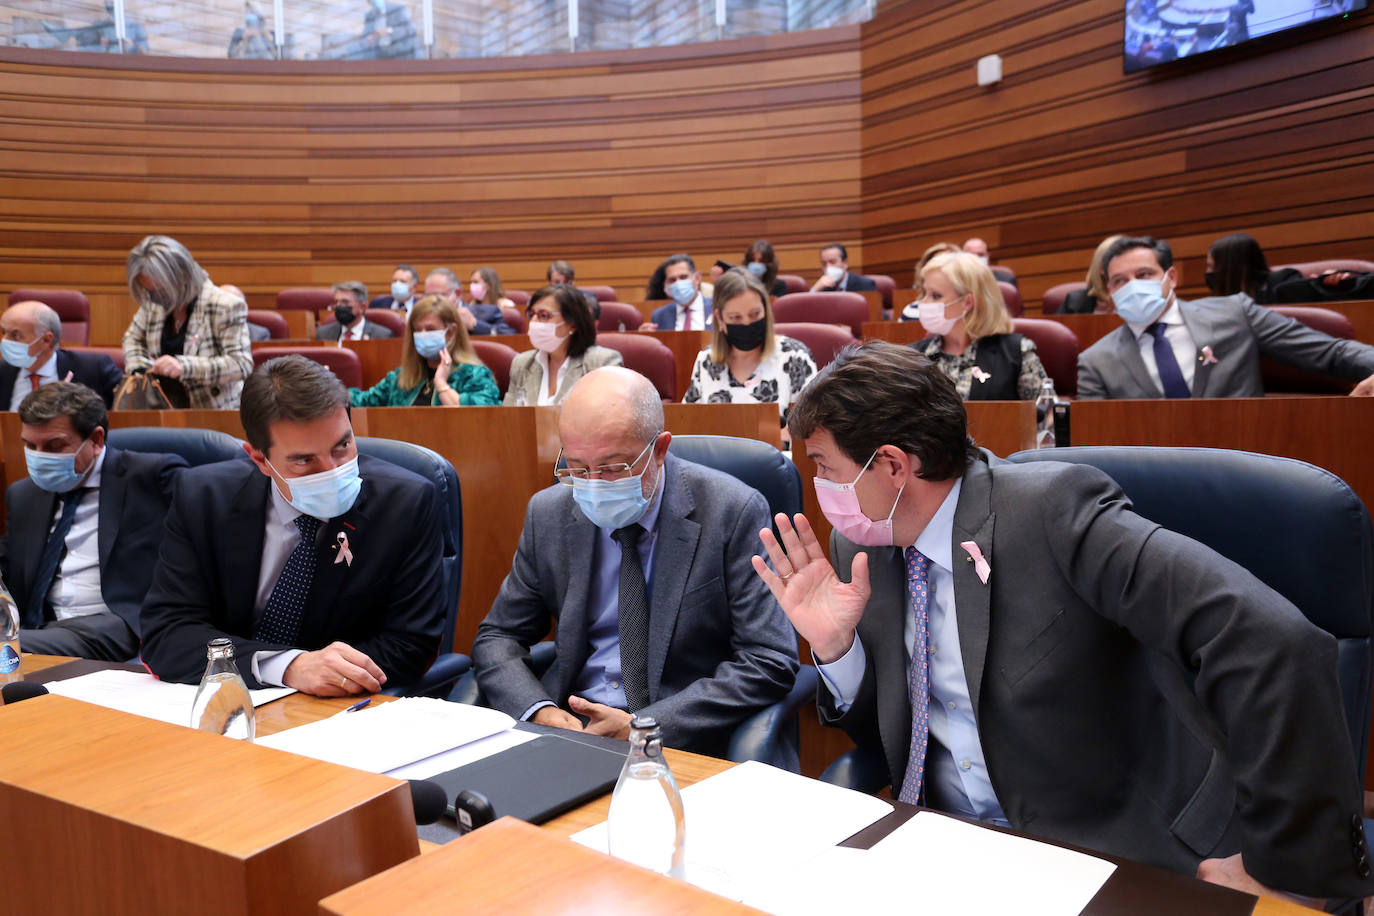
(1170, 375)
(281, 619)
(51, 559)
(634, 619)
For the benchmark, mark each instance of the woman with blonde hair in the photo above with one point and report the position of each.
(1095, 298)
(909, 313)
(972, 337)
(439, 366)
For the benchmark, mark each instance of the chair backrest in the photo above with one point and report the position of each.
(392, 320)
(114, 353)
(1005, 274)
(437, 470)
(519, 297)
(515, 317)
(71, 305)
(602, 293)
(497, 357)
(1054, 297)
(795, 283)
(1058, 349)
(823, 340)
(1299, 529)
(341, 361)
(848, 309)
(302, 298)
(1011, 297)
(1281, 378)
(197, 446)
(756, 464)
(1317, 268)
(648, 356)
(272, 320)
(619, 316)
(886, 287)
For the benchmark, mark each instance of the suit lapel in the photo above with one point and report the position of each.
(1203, 333)
(27, 538)
(65, 364)
(886, 614)
(674, 554)
(580, 538)
(330, 573)
(973, 521)
(241, 549)
(111, 505)
(1128, 354)
(8, 375)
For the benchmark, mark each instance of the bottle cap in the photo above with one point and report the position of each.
(644, 722)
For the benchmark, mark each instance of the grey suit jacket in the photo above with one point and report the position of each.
(720, 648)
(1105, 659)
(526, 376)
(371, 331)
(1238, 332)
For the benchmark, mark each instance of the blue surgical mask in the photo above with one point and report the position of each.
(611, 504)
(327, 494)
(429, 343)
(1140, 302)
(400, 291)
(682, 291)
(17, 353)
(55, 472)
(757, 268)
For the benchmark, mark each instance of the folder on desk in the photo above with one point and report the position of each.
(537, 780)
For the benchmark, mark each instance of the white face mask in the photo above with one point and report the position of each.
(834, 272)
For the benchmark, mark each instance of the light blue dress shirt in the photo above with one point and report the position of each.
(956, 776)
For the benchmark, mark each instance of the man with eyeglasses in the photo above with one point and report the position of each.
(642, 561)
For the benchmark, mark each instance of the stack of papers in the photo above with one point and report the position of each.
(144, 695)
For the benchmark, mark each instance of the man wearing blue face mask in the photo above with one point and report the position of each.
(1207, 348)
(323, 568)
(403, 282)
(33, 356)
(689, 310)
(628, 528)
(83, 528)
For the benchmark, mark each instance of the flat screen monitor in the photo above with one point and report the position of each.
(1158, 31)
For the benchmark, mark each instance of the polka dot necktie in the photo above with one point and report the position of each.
(918, 675)
(281, 619)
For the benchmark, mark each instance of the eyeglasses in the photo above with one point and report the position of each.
(544, 315)
(604, 472)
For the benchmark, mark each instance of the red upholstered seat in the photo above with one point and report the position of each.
(1004, 273)
(114, 353)
(848, 309)
(515, 317)
(648, 356)
(1316, 268)
(71, 305)
(1011, 297)
(823, 340)
(1054, 297)
(519, 297)
(272, 320)
(1284, 379)
(886, 287)
(497, 357)
(619, 316)
(602, 293)
(309, 299)
(795, 284)
(342, 361)
(1058, 349)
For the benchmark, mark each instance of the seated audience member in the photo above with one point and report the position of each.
(747, 362)
(83, 528)
(911, 312)
(1095, 298)
(689, 310)
(1090, 663)
(560, 272)
(477, 319)
(33, 356)
(252, 40)
(321, 566)
(403, 281)
(1236, 264)
(256, 332)
(388, 32)
(1209, 348)
(186, 327)
(484, 288)
(350, 316)
(835, 275)
(978, 248)
(563, 334)
(439, 366)
(972, 337)
(761, 261)
(716, 648)
(655, 291)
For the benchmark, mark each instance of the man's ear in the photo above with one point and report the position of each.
(257, 458)
(98, 437)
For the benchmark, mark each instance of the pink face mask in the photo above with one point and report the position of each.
(478, 291)
(544, 335)
(840, 504)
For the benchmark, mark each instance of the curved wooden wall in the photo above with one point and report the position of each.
(1275, 139)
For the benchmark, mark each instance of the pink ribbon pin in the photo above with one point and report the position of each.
(980, 565)
(344, 553)
(1207, 358)
(980, 375)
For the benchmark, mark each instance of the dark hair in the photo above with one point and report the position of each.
(762, 251)
(290, 388)
(414, 274)
(844, 252)
(880, 393)
(572, 303)
(1238, 266)
(1163, 253)
(76, 402)
(655, 288)
(560, 266)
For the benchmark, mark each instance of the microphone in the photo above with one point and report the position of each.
(21, 690)
(428, 798)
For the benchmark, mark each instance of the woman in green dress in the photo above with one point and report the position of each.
(439, 366)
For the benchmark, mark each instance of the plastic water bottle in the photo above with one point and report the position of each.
(11, 665)
(646, 824)
(222, 703)
(1044, 414)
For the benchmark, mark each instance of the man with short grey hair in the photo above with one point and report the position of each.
(350, 316)
(479, 318)
(33, 357)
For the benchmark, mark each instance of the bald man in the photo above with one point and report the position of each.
(628, 528)
(33, 357)
(978, 248)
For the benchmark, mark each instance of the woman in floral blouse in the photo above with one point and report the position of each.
(747, 363)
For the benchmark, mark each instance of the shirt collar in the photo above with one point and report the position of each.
(93, 481)
(46, 373)
(697, 303)
(1171, 316)
(936, 538)
(279, 511)
(649, 520)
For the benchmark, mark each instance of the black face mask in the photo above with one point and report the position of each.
(747, 336)
(344, 314)
(1211, 278)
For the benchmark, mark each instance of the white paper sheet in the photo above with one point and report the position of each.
(144, 695)
(462, 756)
(387, 736)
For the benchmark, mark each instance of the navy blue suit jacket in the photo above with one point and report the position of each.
(94, 370)
(490, 320)
(665, 316)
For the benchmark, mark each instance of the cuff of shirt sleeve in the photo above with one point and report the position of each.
(529, 713)
(844, 675)
(270, 667)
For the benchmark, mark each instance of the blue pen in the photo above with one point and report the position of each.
(356, 706)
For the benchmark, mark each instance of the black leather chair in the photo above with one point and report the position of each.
(197, 446)
(450, 665)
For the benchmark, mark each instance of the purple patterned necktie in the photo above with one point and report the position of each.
(918, 675)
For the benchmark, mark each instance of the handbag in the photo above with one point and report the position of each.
(146, 391)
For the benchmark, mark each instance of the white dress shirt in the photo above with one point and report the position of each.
(75, 591)
(354, 331)
(541, 359)
(1180, 341)
(280, 538)
(23, 387)
(701, 318)
(956, 775)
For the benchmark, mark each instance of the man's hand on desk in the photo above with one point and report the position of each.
(1230, 872)
(336, 670)
(1364, 389)
(558, 718)
(602, 720)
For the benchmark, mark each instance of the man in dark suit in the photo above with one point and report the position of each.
(1076, 663)
(477, 318)
(350, 316)
(1208, 348)
(713, 650)
(322, 568)
(835, 275)
(83, 528)
(690, 309)
(404, 279)
(33, 357)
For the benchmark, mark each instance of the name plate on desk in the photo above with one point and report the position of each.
(113, 813)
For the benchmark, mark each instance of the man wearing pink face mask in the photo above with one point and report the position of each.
(563, 335)
(1069, 654)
